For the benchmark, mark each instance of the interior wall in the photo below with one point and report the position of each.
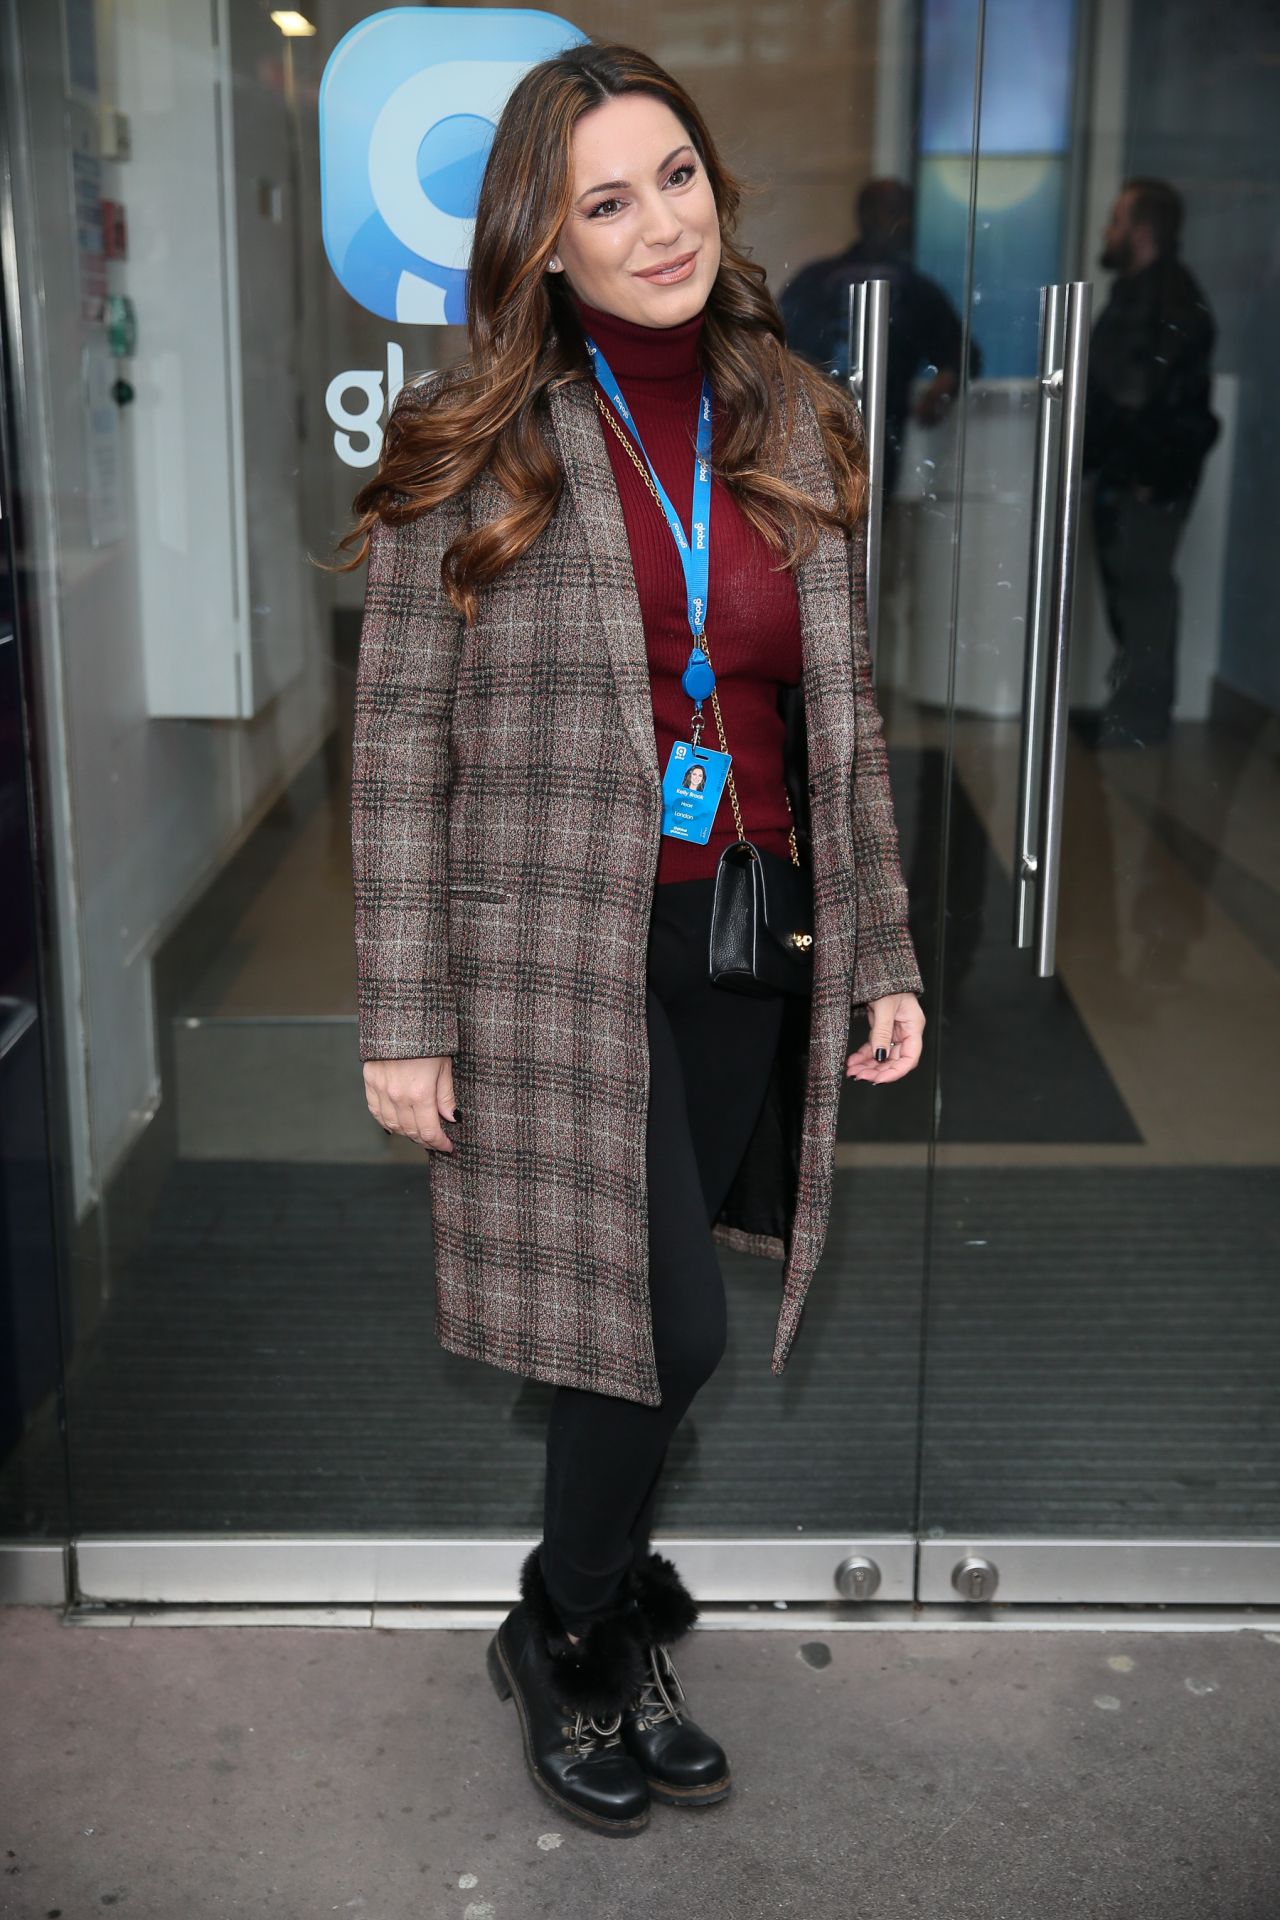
(153, 806)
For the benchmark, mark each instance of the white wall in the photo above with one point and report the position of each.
(151, 808)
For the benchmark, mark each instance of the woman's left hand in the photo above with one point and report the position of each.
(897, 1028)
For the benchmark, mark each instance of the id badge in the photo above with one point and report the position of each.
(691, 789)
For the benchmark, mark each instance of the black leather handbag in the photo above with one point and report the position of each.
(761, 939)
(761, 922)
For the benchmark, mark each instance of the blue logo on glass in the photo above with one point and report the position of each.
(409, 100)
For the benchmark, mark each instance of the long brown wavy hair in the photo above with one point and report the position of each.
(525, 339)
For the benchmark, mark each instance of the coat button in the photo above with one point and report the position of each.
(813, 786)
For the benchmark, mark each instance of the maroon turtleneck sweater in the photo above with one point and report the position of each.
(753, 620)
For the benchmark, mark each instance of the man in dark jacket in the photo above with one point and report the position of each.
(1148, 428)
(924, 327)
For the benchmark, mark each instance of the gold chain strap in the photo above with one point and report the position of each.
(647, 477)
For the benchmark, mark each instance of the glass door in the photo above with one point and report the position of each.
(1103, 1322)
(256, 1405)
(1039, 1355)
(806, 1487)
(33, 1482)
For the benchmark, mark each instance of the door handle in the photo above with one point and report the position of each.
(1049, 390)
(1064, 359)
(868, 349)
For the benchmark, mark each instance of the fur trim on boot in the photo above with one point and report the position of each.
(599, 1674)
(666, 1605)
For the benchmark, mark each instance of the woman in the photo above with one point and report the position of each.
(531, 937)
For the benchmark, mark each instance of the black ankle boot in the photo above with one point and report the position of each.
(683, 1765)
(570, 1698)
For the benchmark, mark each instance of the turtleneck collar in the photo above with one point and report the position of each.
(637, 352)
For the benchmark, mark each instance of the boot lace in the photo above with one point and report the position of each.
(584, 1734)
(660, 1697)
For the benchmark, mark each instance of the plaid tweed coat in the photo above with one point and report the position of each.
(506, 813)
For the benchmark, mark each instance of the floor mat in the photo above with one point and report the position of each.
(1018, 1063)
(1102, 1358)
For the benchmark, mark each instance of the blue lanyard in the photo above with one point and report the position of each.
(695, 554)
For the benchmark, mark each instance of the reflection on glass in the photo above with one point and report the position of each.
(1102, 1324)
(247, 1338)
(250, 1341)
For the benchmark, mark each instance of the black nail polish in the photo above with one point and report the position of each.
(882, 1053)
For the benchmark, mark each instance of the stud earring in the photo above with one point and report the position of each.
(554, 263)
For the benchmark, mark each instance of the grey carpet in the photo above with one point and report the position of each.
(1018, 1062)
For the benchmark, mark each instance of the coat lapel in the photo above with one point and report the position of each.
(822, 582)
(580, 431)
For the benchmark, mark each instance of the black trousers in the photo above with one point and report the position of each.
(1136, 542)
(710, 1053)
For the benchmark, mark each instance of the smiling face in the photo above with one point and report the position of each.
(641, 201)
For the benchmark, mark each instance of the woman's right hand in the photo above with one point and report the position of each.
(411, 1097)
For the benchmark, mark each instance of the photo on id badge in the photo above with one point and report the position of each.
(691, 789)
